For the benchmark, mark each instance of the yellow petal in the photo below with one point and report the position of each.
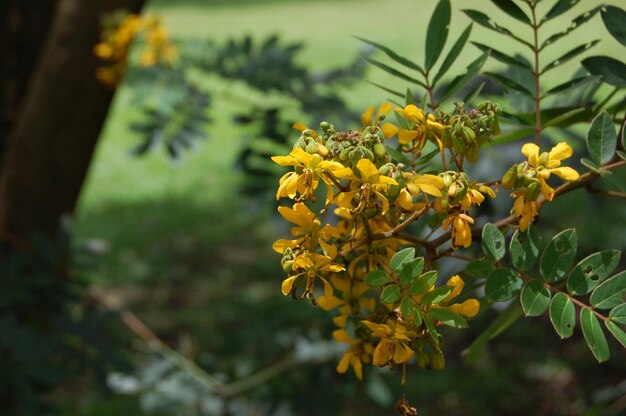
(406, 136)
(366, 117)
(341, 335)
(368, 171)
(531, 151)
(457, 285)
(288, 284)
(546, 190)
(566, 173)
(385, 108)
(284, 160)
(342, 367)
(469, 308)
(559, 152)
(280, 245)
(343, 173)
(340, 320)
(389, 130)
(403, 353)
(405, 200)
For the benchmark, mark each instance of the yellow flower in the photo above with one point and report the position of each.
(547, 163)
(423, 127)
(359, 353)
(525, 210)
(352, 299)
(309, 227)
(369, 183)
(461, 231)
(389, 129)
(393, 347)
(312, 169)
(469, 308)
(311, 266)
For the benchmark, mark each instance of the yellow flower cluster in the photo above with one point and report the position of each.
(388, 302)
(118, 33)
(529, 179)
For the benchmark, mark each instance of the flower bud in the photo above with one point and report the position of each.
(447, 180)
(343, 155)
(368, 153)
(307, 132)
(452, 190)
(469, 135)
(533, 191)
(322, 150)
(423, 360)
(311, 147)
(379, 150)
(437, 360)
(472, 153)
(458, 143)
(287, 266)
(543, 159)
(509, 178)
(325, 125)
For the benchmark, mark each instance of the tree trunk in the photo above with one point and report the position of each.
(58, 123)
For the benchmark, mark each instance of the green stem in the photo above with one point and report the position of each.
(537, 73)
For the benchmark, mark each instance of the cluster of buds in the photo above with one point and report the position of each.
(119, 31)
(466, 132)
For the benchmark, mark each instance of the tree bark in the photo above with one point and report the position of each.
(58, 123)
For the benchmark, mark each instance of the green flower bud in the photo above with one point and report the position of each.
(343, 155)
(472, 153)
(307, 132)
(311, 147)
(458, 143)
(469, 135)
(379, 150)
(437, 360)
(287, 266)
(322, 150)
(325, 125)
(509, 178)
(533, 191)
(368, 153)
(543, 159)
(423, 360)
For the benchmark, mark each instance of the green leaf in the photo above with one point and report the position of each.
(621, 153)
(485, 21)
(395, 72)
(411, 270)
(437, 33)
(417, 317)
(513, 135)
(512, 10)
(614, 20)
(594, 167)
(504, 320)
(575, 24)
(508, 83)
(563, 315)
(559, 255)
(535, 298)
(453, 54)
(424, 282)
(389, 90)
(447, 317)
(569, 55)
(612, 71)
(559, 8)
(596, 341)
(436, 295)
(493, 242)
(376, 278)
(459, 82)
(618, 314)
(398, 156)
(402, 257)
(567, 116)
(479, 269)
(390, 294)
(524, 248)
(502, 284)
(617, 332)
(610, 293)
(602, 138)
(430, 325)
(504, 58)
(473, 93)
(390, 53)
(591, 271)
(575, 83)
(406, 307)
